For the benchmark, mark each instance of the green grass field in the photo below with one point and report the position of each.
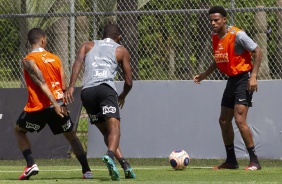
(153, 171)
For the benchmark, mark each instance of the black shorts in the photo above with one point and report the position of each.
(36, 121)
(236, 91)
(100, 102)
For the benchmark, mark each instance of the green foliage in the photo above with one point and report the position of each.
(10, 27)
(9, 39)
(159, 34)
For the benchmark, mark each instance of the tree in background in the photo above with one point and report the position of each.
(15, 30)
(9, 39)
(163, 46)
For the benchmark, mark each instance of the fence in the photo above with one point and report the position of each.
(167, 40)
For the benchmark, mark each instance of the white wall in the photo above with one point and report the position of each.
(160, 116)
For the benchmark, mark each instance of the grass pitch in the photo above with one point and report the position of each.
(152, 171)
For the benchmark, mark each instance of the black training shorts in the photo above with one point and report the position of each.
(100, 101)
(36, 121)
(236, 91)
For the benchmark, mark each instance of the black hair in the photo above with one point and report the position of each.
(35, 34)
(218, 9)
(111, 31)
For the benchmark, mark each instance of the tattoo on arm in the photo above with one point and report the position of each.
(34, 72)
(37, 77)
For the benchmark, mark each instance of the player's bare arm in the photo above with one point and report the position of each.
(76, 68)
(63, 78)
(123, 58)
(37, 77)
(198, 78)
(252, 83)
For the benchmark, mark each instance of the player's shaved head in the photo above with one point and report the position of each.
(218, 9)
(111, 31)
(35, 34)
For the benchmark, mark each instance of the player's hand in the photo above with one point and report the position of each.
(68, 95)
(252, 84)
(61, 110)
(198, 78)
(121, 100)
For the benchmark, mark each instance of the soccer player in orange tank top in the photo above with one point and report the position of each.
(44, 76)
(232, 53)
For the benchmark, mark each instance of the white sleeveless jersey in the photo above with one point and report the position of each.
(100, 64)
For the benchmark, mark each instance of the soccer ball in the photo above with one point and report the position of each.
(179, 159)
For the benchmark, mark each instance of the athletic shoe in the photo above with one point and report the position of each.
(226, 165)
(28, 172)
(113, 171)
(129, 173)
(87, 175)
(253, 166)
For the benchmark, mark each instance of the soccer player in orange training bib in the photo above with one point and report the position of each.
(232, 49)
(45, 80)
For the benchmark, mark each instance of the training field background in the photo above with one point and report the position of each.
(169, 42)
(151, 171)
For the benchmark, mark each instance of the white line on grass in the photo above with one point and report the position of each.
(135, 168)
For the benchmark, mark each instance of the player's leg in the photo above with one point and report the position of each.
(240, 114)
(227, 132)
(22, 139)
(79, 152)
(243, 101)
(122, 161)
(108, 110)
(128, 171)
(100, 102)
(112, 139)
(245, 131)
(64, 125)
(225, 121)
(21, 129)
(104, 130)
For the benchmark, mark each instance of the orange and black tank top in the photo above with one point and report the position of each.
(225, 57)
(50, 66)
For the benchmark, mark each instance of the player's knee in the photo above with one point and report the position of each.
(222, 121)
(242, 125)
(225, 124)
(114, 130)
(240, 119)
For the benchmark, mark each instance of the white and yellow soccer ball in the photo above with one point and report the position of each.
(179, 159)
